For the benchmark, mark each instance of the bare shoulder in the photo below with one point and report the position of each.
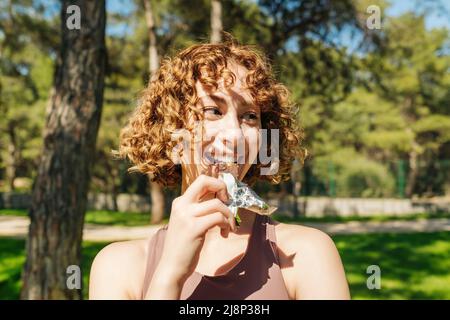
(118, 270)
(311, 262)
(295, 237)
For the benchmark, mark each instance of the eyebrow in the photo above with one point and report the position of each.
(213, 97)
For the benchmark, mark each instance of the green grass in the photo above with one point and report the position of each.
(413, 265)
(12, 259)
(100, 217)
(13, 212)
(115, 218)
(129, 219)
(374, 218)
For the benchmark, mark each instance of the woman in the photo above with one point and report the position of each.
(221, 95)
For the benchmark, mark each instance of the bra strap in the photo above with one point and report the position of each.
(154, 252)
(271, 237)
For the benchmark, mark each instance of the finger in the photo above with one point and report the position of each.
(224, 232)
(214, 219)
(204, 184)
(215, 171)
(215, 174)
(215, 205)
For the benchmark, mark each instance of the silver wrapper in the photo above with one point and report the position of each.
(242, 196)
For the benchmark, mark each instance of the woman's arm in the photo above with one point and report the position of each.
(318, 267)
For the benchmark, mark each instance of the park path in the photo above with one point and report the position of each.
(14, 226)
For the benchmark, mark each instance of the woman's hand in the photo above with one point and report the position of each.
(190, 219)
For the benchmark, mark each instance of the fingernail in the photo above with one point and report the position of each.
(225, 233)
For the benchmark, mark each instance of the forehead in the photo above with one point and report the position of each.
(236, 90)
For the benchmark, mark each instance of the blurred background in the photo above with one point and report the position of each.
(372, 82)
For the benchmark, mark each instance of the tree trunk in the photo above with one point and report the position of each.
(216, 21)
(156, 192)
(413, 159)
(296, 187)
(157, 197)
(412, 174)
(12, 157)
(153, 58)
(59, 197)
(114, 191)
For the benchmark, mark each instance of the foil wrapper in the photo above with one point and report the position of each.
(242, 196)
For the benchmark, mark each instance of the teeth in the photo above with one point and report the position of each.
(227, 160)
(223, 160)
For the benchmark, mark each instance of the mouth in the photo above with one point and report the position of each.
(223, 160)
(230, 164)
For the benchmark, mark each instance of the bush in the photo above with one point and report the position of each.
(364, 178)
(353, 175)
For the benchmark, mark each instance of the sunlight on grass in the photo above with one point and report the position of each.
(373, 218)
(14, 212)
(100, 217)
(413, 266)
(129, 219)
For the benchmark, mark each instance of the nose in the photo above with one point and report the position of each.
(231, 135)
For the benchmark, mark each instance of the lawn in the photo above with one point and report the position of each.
(116, 218)
(12, 258)
(372, 218)
(413, 266)
(100, 217)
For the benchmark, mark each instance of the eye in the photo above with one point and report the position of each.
(250, 117)
(212, 112)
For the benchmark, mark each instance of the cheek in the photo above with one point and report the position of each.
(252, 136)
(210, 130)
(208, 135)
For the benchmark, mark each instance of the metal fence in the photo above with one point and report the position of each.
(390, 179)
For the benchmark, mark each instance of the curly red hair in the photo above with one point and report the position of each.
(170, 97)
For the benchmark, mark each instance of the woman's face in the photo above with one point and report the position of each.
(229, 131)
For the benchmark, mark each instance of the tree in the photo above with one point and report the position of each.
(156, 191)
(26, 68)
(411, 70)
(60, 188)
(216, 21)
